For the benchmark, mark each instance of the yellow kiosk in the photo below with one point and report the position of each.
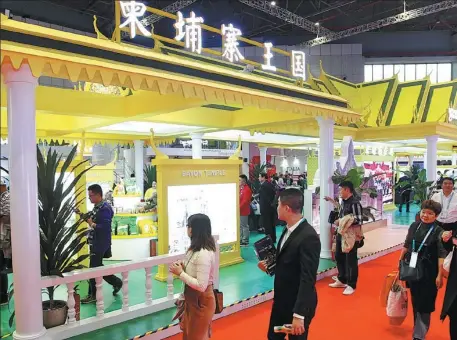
(190, 186)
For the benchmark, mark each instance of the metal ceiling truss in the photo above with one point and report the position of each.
(287, 16)
(172, 8)
(395, 19)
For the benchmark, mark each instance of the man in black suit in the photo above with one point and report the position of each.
(297, 262)
(267, 195)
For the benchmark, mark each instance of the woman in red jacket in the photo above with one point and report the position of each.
(245, 209)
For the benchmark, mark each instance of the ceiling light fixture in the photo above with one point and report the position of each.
(273, 3)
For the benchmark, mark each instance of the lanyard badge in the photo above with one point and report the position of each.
(414, 253)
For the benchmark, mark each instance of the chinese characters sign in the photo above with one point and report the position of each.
(190, 30)
(230, 44)
(132, 11)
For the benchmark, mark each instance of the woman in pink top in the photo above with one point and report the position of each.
(197, 273)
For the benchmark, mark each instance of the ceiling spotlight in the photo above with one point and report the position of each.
(273, 3)
(316, 24)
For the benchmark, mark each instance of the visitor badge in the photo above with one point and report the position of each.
(413, 261)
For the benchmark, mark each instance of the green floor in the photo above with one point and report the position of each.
(404, 218)
(237, 282)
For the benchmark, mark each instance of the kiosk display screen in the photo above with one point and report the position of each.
(218, 201)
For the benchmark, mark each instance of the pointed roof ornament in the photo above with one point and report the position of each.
(237, 153)
(159, 154)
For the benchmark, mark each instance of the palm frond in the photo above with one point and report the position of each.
(254, 171)
(150, 176)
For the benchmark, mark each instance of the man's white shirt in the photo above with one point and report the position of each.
(448, 206)
(289, 231)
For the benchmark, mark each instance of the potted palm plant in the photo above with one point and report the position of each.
(61, 239)
(417, 180)
(254, 172)
(362, 185)
(150, 176)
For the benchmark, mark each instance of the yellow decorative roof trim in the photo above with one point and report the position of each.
(407, 131)
(57, 64)
(135, 51)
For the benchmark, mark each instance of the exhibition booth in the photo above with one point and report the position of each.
(137, 88)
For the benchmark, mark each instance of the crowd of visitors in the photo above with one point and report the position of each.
(428, 242)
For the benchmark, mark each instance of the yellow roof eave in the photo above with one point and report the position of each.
(78, 67)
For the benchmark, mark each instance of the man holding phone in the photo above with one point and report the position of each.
(297, 262)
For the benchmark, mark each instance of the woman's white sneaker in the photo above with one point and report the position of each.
(349, 291)
(337, 284)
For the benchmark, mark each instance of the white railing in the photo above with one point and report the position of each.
(127, 312)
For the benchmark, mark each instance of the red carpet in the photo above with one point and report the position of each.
(356, 317)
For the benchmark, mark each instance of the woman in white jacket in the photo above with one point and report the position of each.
(197, 273)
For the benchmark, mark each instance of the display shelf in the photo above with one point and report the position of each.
(132, 247)
(127, 196)
(128, 226)
(135, 215)
(123, 237)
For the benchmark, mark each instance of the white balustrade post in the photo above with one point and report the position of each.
(125, 291)
(196, 145)
(148, 286)
(139, 165)
(218, 259)
(432, 142)
(20, 85)
(326, 184)
(454, 159)
(100, 304)
(71, 303)
(170, 286)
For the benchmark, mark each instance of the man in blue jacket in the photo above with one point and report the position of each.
(99, 239)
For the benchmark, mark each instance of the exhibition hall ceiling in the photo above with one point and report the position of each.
(334, 15)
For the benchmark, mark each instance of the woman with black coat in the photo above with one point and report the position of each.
(425, 239)
(450, 298)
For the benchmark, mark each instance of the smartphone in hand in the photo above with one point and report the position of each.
(287, 329)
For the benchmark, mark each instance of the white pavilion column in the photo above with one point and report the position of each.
(196, 145)
(454, 159)
(432, 142)
(411, 160)
(21, 86)
(263, 155)
(326, 184)
(245, 155)
(139, 165)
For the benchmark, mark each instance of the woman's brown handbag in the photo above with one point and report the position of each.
(219, 296)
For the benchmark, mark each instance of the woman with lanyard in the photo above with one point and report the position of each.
(424, 248)
(448, 200)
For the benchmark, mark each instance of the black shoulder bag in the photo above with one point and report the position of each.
(416, 273)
